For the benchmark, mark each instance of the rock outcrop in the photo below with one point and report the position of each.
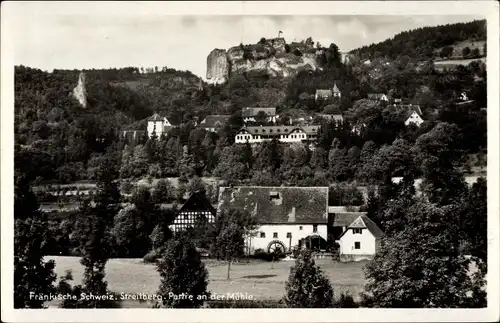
(80, 92)
(272, 57)
(217, 67)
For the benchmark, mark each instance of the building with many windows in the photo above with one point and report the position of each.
(196, 208)
(287, 134)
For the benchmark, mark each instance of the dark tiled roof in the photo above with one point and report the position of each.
(252, 112)
(292, 204)
(214, 120)
(346, 218)
(279, 130)
(197, 202)
(158, 116)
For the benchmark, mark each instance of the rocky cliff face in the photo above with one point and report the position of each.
(80, 92)
(272, 58)
(217, 67)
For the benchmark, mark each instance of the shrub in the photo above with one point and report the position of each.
(307, 286)
(182, 272)
(151, 257)
(346, 301)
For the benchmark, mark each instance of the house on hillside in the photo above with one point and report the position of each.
(361, 240)
(158, 124)
(196, 208)
(251, 114)
(287, 134)
(285, 215)
(214, 122)
(412, 117)
(322, 94)
(378, 97)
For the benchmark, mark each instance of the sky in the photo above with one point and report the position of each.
(79, 40)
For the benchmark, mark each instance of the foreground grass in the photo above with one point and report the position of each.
(257, 278)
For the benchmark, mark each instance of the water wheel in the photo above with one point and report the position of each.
(276, 247)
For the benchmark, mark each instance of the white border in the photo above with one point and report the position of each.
(12, 13)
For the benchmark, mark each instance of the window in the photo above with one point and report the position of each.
(288, 234)
(357, 231)
(278, 130)
(270, 130)
(357, 245)
(262, 234)
(300, 227)
(263, 130)
(315, 228)
(275, 235)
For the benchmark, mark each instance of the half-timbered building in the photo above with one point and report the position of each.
(196, 208)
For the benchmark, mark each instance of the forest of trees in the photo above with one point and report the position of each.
(421, 43)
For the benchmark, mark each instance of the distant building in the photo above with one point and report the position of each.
(250, 114)
(328, 93)
(361, 240)
(214, 122)
(378, 97)
(287, 217)
(196, 208)
(412, 117)
(282, 133)
(159, 124)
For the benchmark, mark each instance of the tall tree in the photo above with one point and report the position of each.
(183, 275)
(420, 265)
(307, 285)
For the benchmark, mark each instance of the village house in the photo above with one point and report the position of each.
(214, 122)
(361, 240)
(196, 208)
(322, 94)
(285, 215)
(250, 114)
(158, 124)
(412, 117)
(378, 97)
(288, 134)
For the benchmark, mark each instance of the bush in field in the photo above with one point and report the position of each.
(307, 286)
(182, 272)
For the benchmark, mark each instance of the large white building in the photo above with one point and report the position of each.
(288, 217)
(252, 114)
(158, 124)
(299, 217)
(288, 134)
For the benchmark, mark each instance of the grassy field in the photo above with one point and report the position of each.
(256, 278)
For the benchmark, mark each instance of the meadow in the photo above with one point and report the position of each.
(263, 280)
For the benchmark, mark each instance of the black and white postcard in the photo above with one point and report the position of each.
(238, 161)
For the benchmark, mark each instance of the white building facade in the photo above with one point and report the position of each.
(158, 124)
(360, 241)
(286, 134)
(251, 114)
(414, 118)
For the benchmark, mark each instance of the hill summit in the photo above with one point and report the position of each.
(269, 57)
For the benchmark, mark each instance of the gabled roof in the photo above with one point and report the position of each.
(158, 116)
(278, 205)
(335, 88)
(410, 107)
(364, 222)
(214, 120)
(252, 112)
(328, 116)
(279, 130)
(344, 219)
(198, 201)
